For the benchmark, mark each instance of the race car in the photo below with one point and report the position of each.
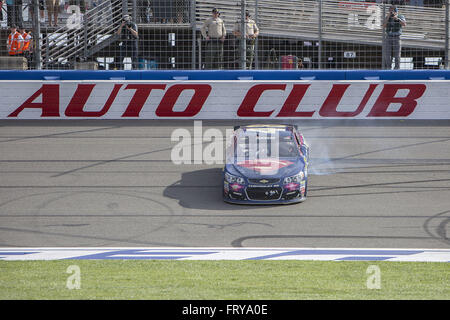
(266, 164)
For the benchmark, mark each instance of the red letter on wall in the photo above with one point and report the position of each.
(83, 92)
(290, 106)
(165, 108)
(49, 104)
(387, 96)
(140, 97)
(247, 107)
(329, 107)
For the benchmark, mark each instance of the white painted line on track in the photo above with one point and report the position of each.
(159, 253)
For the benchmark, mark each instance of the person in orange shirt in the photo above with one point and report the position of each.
(15, 42)
(26, 40)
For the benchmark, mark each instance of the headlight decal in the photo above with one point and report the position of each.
(234, 179)
(294, 179)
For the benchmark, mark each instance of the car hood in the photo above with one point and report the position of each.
(274, 168)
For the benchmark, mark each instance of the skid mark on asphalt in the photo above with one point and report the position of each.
(103, 162)
(109, 161)
(57, 134)
(381, 184)
(384, 149)
(83, 237)
(62, 196)
(238, 243)
(227, 225)
(440, 231)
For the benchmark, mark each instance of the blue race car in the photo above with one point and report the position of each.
(266, 164)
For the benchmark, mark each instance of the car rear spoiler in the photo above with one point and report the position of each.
(284, 124)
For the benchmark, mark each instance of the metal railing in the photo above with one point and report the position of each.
(319, 33)
(341, 21)
(336, 25)
(83, 34)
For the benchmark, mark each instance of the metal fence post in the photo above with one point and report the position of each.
(124, 8)
(320, 35)
(447, 34)
(194, 33)
(199, 43)
(85, 35)
(383, 38)
(36, 35)
(243, 36)
(134, 11)
(256, 40)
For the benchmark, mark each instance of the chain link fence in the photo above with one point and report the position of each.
(240, 34)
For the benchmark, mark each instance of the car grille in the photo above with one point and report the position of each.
(264, 193)
(264, 180)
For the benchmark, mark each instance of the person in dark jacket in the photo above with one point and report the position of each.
(128, 32)
(394, 23)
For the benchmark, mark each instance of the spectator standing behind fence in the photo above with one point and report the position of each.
(128, 31)
(52, 12)
(163, 10)
(41, 10)
(394, 24)
(251, 33)
(27, 44)
(10, 12)
(142, 9)
(14, 12)
(213, 30)
(18, 12)
(14, 43)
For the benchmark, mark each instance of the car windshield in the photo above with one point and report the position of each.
(265, 144)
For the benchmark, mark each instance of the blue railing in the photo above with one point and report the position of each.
(226, 75)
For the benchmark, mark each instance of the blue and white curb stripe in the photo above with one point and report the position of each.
(324, 254)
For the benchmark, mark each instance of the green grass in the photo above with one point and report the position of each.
(134, 279)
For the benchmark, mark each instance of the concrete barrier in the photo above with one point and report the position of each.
(13, 63)
(86, 65)
(224, 99)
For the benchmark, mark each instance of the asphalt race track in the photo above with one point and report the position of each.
(78, 183)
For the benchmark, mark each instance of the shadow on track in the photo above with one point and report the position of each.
(202, 189)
